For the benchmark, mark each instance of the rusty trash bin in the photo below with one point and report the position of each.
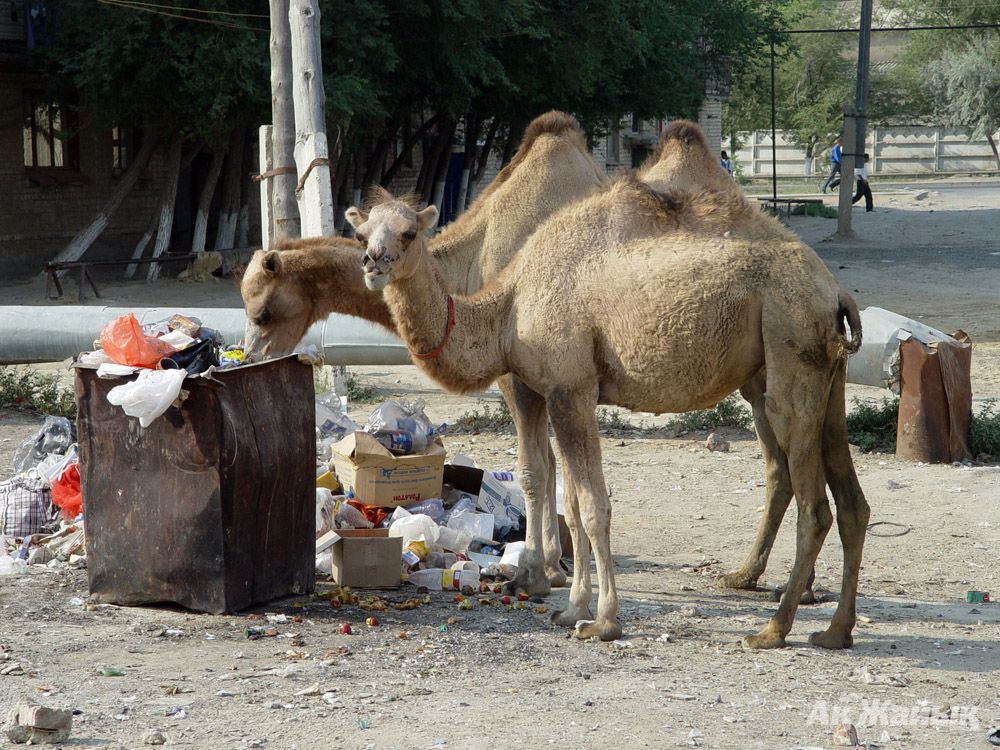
(213, 505)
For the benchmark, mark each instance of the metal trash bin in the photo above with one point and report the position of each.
(213, 505)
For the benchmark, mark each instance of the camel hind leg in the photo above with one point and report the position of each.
(795, 404)
(852, 514)
(579, 593)
(777, 497)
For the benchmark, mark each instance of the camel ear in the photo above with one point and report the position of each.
(356, 216)
(271, 263)
(427, 218)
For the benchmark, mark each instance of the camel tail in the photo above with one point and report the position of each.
(847, 310)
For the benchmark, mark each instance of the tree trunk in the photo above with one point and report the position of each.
(140, 246)
(400, 161)
(483, 161)
(471, 138)
(432, 160)
(338, 188)
(166, 223)
(284, 207)
(315, 198)
(225, 232)
(205, 198)
(243, 218)
(266, 187)
(993, 145)
(441, 171)
(86, 237)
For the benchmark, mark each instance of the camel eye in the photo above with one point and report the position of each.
(263, 318)
(410, 236)
(361, 238)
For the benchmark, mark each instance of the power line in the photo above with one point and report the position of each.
(140, 3)
(211, 22)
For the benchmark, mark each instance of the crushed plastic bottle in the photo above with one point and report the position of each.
(442, 579)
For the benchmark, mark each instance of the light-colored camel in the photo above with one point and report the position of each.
(624, 298)
(287, 289)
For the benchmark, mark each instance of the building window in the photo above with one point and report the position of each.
(50, 140)
(125, 144)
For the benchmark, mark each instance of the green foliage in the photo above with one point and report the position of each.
(126, 66)
(815, 209)
(496, 418)
(984, 432)
(360, 393)
(24, 388)
(966, 86)
(730, 412)
(872, 427)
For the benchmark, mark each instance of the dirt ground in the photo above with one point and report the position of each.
(923, 672)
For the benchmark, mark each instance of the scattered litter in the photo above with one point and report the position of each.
(905, 529)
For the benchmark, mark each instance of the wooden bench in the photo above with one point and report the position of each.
(54, 270)
(788, 203)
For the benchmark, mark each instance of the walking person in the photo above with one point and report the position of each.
(726, 163)
(835, 157)
(861, 175)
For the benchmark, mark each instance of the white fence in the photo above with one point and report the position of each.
(899, 150)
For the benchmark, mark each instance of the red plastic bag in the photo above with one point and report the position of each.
(123, 340)
(66, 494)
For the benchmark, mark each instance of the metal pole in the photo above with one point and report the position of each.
(774, 139)
(854, 124)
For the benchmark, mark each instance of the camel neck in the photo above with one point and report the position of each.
(340, 269)
(463, 335)
(458, 251)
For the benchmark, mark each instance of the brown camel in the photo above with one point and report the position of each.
(652, 314)
(287, 289)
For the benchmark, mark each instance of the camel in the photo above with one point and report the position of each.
(287, 289)
(653, 313)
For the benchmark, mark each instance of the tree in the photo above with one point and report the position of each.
(966, 88)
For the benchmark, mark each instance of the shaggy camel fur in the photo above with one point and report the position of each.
(623, 298)
(285, 292)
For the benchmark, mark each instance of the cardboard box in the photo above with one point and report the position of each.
(501, 495)
(377, 477)
(367, 558)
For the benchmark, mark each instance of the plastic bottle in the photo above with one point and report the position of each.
(432, 506)
(441, 559)
(441, 579)
(401, 442)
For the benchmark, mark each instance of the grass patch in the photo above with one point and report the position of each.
(496, 419)
(24, 388)
(815, 209)
(361, 393)
(730, 412)
(984, 432)
(872, 427)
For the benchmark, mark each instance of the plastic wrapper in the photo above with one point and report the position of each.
(66, 494)
(477, 525)
(414, 527)
(56, 435)
(125, 343)
(149, 395)
(401, 426)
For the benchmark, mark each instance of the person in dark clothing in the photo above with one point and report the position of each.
(861, 175)
(835, 156)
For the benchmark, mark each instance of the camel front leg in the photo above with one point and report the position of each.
(579, 593)
(574, 421)
(852, 516)
(535, 459)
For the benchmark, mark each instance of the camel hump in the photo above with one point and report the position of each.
(847, 309)
(683, 132)
(553, 122)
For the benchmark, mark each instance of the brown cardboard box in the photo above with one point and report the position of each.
(377, 477)
(367, 558)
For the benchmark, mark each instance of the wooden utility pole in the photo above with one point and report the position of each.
(854, 124)
(314, 189)
(283, 211)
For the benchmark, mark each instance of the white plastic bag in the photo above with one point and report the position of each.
(477, 525)
(415, 527)
(149, 395)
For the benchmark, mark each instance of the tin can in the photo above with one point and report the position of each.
(977, 597)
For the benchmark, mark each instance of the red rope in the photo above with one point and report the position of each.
(447, 334)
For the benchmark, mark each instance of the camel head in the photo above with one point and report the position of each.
(279, 309)
(393, 233)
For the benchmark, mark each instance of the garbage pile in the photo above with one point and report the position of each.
(41, 504)
(384, 512)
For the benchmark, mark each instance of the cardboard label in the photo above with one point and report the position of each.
(377, 477)
(500, 495)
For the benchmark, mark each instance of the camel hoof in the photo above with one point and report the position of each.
(808, 596)
(831, 638)
(568, 618)
(605, 631)
(557, 578)
(737, 579)
(527, 585)
(764, 639)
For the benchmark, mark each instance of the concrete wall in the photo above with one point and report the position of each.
(897, 150)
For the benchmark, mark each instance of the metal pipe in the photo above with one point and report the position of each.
(53, 333)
